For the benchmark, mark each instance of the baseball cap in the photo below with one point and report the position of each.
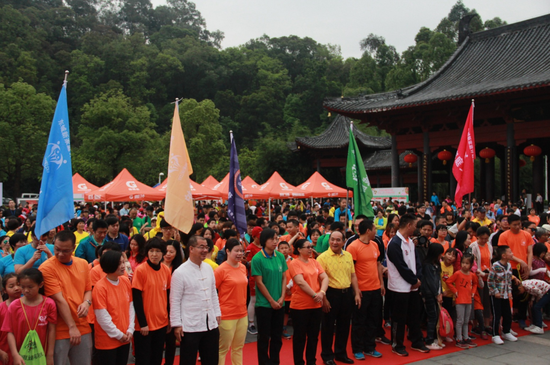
(256, 231)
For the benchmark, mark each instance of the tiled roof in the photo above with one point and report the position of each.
(504, 59)
(382, 160)
(337, 136)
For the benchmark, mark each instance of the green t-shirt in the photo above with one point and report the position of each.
(271, 269)
(139, 222)
(322, 244)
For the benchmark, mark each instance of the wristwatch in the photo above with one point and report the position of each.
(89, 302)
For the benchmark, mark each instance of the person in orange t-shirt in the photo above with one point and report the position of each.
(464, 289)
(367, 317)
(231, 282)
(521, 244)
(114, 311)
(67, 282)
(308, 292)
(151, 292)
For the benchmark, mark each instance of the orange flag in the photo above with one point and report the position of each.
(178, 210)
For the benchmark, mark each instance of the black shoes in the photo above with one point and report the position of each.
(345, 360)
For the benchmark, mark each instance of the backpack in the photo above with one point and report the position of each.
(31, 350)
(446, 328)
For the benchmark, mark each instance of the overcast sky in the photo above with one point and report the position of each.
(346, 22)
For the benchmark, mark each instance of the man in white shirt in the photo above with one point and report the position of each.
(404, 271)
(194, 307)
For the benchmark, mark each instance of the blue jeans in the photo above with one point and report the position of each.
(537, 309)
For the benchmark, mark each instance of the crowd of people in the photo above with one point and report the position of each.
(121, 280)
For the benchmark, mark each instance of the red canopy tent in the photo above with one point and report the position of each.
(81, 187)
(199, 192)
(210, 182)
(277, 187)
(318, 187)
(251, 189)
(124, 188)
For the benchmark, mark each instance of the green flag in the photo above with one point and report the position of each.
(357, 179)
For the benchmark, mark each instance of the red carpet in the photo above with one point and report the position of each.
(250, 356)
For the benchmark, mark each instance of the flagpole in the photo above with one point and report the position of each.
(347, 188)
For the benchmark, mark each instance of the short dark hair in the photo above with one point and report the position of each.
(99, 223)
(110, 261)
(266, 234)
(335, 226)
(513, 218)
(194, 240)
(298, 245)
(229, 233)
(501, 250)
(483, 230)
(294, 222)
(424, 223)
(360, 216)
(111, 220)
(406, 219)
(107, 246)
(284, 243)
(231, 243)
(17, 237)
(365, 226)
(157, 243)
(64, 236)
(539, 248)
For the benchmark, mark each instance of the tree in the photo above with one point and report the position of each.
(115, 133)
(203, 135)
(25, 120)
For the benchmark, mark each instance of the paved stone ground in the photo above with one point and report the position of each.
(528, 350)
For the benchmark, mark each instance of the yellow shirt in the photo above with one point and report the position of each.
(446, 272)
(484, 223)
(211, 263)
(79, 237)
(338, 267)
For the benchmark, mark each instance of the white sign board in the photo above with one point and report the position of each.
(400, 194)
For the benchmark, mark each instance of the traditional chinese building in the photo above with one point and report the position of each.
(507, 71)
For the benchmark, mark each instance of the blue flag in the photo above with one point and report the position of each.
(235, 206)
(55, 204)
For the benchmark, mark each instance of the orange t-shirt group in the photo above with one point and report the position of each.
(231, 283)
(153, 285)
(465, 286)
(366, 264)
(310, 271)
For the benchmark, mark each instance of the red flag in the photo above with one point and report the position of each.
(463, 167)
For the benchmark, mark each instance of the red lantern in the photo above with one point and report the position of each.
(410, 158)
(522, 162)
(532, 151)
(487, 153)
(445, 156)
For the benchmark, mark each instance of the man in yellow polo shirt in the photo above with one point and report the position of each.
(481, 218)
(339, 300)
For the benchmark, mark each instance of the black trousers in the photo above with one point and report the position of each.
(338, 319)
(365, 322)
(501, 309)
(170, 349)
(149, 348)
(432, 311)
(519, 299)
(406, 312)
(206, 343)
(269, 323)
(118, 356)
(306, 323)
(387, 302)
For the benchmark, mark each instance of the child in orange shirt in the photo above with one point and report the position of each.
(464, 288)
(114, 311)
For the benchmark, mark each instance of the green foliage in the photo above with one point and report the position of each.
(128, 60)
(25, 120)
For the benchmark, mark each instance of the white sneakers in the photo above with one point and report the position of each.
(434, 346)
(536, 330)
(506, 336)
(509, 337)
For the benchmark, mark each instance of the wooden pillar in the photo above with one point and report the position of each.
(482, 179)
(394, 162)
(319, 165)
(538, 176)
(420, 181)
(511, 164)
(427, 167)
(490, 180)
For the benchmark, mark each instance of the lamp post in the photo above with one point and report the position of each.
(161, 174)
